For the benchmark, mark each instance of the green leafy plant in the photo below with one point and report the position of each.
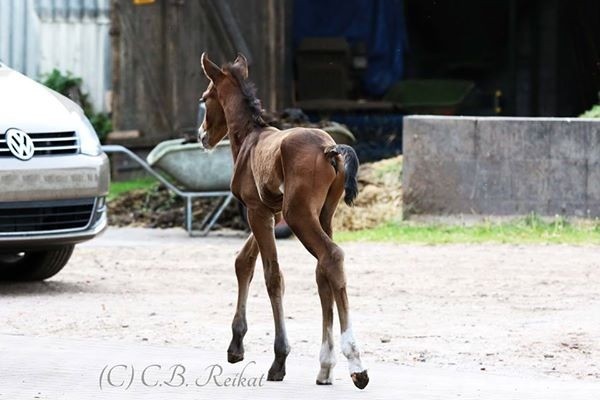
(593, 112)
(69, 85)
(60, 82)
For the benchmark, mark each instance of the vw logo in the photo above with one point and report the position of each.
(20, 144)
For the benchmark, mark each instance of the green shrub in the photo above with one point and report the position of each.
(593, 112)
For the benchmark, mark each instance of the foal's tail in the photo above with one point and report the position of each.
(350, 167)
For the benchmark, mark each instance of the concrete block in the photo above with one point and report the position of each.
(569, 140)
(501, 166)
(513, 139)
(439, 137)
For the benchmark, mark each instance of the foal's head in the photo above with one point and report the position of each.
(229, 88)
(223, 82)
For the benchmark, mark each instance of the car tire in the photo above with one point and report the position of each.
(34, 265)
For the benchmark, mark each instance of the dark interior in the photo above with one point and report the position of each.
(524, 58)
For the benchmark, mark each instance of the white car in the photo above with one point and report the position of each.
(54, 178)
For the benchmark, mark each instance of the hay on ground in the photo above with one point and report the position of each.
(379, 197)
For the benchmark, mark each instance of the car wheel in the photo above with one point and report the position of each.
(34, 265)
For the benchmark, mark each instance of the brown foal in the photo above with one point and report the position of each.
(300, 173)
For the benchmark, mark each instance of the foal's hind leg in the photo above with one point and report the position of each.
(349, 347)
(262, 224)
(327, 354)
(331, 267)
(244, 270)
(330, 205)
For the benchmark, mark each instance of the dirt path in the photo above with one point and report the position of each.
(512, 310)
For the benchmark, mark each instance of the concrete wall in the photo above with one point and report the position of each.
(501, 166)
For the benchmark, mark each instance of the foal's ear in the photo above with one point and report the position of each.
(242, 64)
(211, 70)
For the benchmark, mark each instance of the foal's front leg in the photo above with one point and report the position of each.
(244, 270)
(262, 224)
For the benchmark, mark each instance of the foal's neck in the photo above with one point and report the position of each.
(239, 122)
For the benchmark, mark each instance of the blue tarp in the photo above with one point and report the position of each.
(378, 23)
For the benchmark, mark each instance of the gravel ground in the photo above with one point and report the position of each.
(511, 310)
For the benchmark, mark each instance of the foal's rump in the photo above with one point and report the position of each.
(312, 161)
(303, 153)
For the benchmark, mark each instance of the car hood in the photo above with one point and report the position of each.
(32, 107)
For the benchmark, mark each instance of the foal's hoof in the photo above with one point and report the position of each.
(323, 383)
(234, 357)
(360, 379)
(275, 376)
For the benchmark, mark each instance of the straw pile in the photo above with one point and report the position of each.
(379, 198)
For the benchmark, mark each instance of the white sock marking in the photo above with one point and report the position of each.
(327, 355)
(350, 350)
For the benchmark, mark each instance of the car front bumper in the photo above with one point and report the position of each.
(48, 240)
(53, 180)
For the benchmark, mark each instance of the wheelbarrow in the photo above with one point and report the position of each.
(164, 160)
(194, 168)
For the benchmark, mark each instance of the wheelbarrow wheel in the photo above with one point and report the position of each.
(282, 229)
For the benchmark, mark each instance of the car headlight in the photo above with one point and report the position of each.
(88, 139)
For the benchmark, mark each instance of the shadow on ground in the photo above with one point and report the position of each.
(9, 288)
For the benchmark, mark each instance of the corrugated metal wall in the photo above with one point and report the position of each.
(19, 29)
(37, 36)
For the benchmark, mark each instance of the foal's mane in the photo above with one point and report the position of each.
(248, 90)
